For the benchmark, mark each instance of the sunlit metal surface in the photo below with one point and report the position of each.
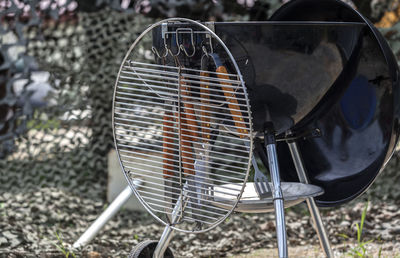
(194, 125)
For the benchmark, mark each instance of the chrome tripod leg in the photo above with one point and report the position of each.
(164, 242)
(312, 207)
(270, 143)
(112, 209)
(168, 231)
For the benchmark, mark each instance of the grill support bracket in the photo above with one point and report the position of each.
(312, 206)
(270, 145)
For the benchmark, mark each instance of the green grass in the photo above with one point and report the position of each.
(43, 125)
(2, 210)
(360, 248)
(62, 248)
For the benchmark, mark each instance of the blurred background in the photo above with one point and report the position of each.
(58, 64)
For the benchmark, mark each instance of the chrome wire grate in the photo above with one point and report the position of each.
(181, 132)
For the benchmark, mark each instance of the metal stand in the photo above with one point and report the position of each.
(312, 207)
(99, 223)
(164, 242)
(168, 231)
(270, 145)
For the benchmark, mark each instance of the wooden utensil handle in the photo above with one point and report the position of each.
(188, 129)
(232, 102)
(205, 101)
(188, 111)
(168, 147)
(168, 139)
(187, 150)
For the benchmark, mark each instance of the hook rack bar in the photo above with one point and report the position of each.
(165, 35)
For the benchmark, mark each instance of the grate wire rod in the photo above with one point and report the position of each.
(163, 87)
(218, 158)
(165, 75)
(176, 144)
(222, 164)
(190, 98)
(168, 105)
(176, 68)
(187, 119)
(173, 127)
(177, 194)
(189, 202)
(169, 170)
(169, 90)
(214, 207)
(172, 165)
(195, 137)
(167, 81)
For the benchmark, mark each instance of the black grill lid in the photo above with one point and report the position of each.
(359, 118)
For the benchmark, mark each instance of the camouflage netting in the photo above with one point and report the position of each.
(62, 130)
(58, 64)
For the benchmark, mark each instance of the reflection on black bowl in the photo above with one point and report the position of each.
(289, 66)
(359, 120)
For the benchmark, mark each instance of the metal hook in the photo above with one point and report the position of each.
(172, 54)
(155, 51)
(169, 49)
(206, 55)
(180, 46)
(204, 51)
(211, 47)
(186, 53)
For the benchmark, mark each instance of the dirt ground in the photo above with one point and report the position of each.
(46, 222)
(389, 250)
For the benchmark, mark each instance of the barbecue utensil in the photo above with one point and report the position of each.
(260, 180)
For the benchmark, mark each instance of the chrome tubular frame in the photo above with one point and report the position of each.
(270, 144)
(312, 207)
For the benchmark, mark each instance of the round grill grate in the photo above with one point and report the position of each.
(182, 124)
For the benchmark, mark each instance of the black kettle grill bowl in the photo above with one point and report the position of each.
(288, 67)
(359, 124)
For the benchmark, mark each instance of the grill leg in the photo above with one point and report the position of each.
(114, 207)
(168, 231)
(312, 207)
(164, 242)
(270, 144)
